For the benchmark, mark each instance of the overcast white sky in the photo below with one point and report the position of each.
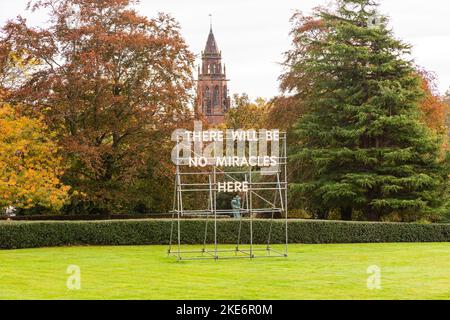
(252, 34)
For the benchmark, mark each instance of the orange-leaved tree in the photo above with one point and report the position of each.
(447, 111)
(247, 114)
(30, 166)
(113, 84)
(432, 105)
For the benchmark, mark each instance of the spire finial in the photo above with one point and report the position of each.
(210, 21)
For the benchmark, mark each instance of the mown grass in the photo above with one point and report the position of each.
(408, 271)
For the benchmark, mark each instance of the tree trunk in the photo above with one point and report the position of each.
(346, 214)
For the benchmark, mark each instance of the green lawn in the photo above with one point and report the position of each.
(408, 271)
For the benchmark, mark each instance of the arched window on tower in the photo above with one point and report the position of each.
(225, 98)
(216, 96)
(207, 101)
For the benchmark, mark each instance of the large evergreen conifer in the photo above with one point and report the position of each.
(360, 145)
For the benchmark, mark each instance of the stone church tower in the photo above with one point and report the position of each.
(212, 91)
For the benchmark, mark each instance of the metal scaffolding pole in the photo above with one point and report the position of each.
(285, 193)
(250, 209)
(215, 212)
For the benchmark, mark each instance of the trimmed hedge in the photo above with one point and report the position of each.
(80, 217)
(30, 234)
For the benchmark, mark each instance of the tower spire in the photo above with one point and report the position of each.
(212, 88)
(211, 45)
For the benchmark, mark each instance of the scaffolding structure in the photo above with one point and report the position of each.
(266, 195)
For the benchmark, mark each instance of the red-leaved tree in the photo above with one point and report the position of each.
(113, 84)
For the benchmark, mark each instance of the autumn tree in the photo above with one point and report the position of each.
(447, 111)
(247, 114)
(361, 145)
(30, 165)
(283, 113)
(113, 84)
(432, 105)
(15, 68)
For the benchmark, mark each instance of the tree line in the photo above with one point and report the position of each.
(88, 103)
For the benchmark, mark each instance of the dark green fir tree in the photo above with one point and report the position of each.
(361, 146)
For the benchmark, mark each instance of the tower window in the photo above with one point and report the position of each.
(216, 96)
(225, 98)
(207, 100)
(208, 106)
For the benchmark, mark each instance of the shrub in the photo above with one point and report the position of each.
(31, 234)
(78, 217)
